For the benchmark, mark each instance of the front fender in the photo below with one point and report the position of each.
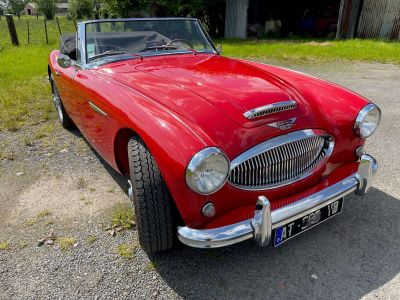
(171, 139)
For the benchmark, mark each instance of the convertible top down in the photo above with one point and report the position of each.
(216, 150)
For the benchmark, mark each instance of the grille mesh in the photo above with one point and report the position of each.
(281, 164)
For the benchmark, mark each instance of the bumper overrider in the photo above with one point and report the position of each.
(260, 227)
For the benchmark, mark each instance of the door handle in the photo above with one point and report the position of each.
(57, 72)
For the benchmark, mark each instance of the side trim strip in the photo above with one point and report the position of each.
(96, 109)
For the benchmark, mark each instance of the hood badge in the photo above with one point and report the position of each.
(283, 125)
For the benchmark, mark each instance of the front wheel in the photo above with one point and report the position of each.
(63, 117)
(153, 204)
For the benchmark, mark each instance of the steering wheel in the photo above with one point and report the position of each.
(181, 41)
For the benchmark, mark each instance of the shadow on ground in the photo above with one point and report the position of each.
(346, 258)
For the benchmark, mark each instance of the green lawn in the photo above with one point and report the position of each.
(25, 96)
(36, 28)
(307, 49)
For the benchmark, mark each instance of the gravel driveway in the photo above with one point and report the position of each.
(52, 180)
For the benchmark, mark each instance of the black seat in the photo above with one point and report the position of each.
(68, 45)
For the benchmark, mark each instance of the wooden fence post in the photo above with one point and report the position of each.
(58, 25)
(45, 30)
(29, 33)
(12, 30)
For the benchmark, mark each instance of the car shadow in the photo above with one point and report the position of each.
(346, 257)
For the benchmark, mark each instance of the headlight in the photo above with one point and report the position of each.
(367, 121)
(208, 171)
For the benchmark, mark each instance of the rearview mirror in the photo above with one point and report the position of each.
(64, 61)
(219, 48)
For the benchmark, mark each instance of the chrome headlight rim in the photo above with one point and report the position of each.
(196, 161)
(361, 118)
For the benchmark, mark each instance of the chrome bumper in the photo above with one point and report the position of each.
(264, 221)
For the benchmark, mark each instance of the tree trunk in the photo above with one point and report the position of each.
(236, 19)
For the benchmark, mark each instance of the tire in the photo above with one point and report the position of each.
(154, 208)
(63, 116)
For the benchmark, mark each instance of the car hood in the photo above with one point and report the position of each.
(193, 85)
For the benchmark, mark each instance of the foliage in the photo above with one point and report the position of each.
(127, 250)
(210, 12)
(47, 8)
(66, 243)
(123, 217)
(81, 8)
(15, 6)
(4, 246)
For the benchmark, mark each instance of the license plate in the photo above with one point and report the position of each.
(290, 230)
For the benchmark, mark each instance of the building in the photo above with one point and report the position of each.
(340, 18)
(30, 9)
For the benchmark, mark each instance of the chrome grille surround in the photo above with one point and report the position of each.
(282, 160)
(270, 109)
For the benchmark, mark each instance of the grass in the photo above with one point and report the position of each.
(4, 246)
(91, 239)
(43, 214)
(151, 266)
(44, 131)
(126, 250)
(36, 28)
(85, 201)
(82, 183)
(66, 243)
(308, 49)
(123, 217)
(7, 155)
(25, 96)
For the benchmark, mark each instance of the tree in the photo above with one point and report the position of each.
(80, 9)
(210, 12)
(15, 6)
(47, 8)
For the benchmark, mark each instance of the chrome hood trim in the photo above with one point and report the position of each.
(270, 109)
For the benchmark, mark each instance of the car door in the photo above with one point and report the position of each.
(64, 79)
(94, 112)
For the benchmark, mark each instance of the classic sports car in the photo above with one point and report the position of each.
(216, 150)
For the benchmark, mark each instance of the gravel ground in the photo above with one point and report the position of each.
(46, 169)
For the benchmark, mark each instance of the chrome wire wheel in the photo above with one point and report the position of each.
(57, 103)
(63, 117)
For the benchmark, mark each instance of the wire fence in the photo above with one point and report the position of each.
(37, 31)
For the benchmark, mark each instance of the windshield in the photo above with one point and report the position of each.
(144, 38)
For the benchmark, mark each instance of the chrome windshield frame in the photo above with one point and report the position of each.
(81, 27)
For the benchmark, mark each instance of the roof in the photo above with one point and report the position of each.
(62, 5)
(32, 4)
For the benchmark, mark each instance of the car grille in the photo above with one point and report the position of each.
(280, 165)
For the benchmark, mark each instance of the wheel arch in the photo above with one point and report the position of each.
(121, 149)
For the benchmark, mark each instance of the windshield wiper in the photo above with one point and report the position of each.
(170, 47)
(114, 52)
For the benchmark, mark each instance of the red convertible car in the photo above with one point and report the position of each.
(216, 150)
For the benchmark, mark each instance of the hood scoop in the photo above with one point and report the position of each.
(270, 109)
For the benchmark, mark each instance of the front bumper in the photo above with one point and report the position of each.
(264, 221)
